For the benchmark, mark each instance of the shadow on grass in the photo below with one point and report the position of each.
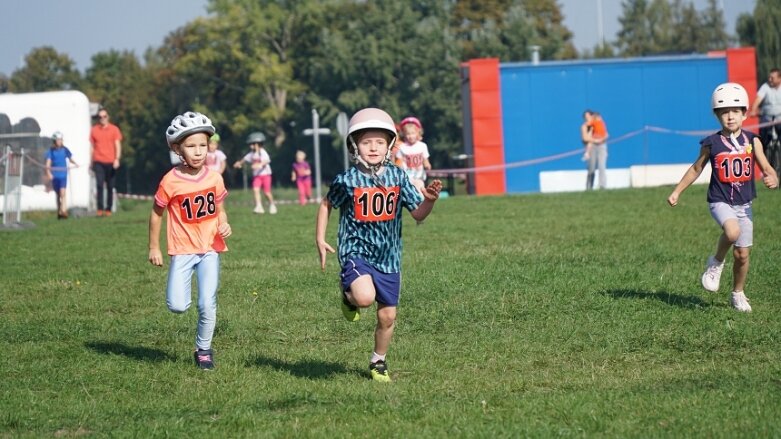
(662, 296)
(305, 369)
(135, 352)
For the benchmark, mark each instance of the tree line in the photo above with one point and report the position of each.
(262, 65)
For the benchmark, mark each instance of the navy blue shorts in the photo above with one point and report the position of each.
(59, 183)
(387, 285)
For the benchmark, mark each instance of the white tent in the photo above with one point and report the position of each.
(64, 111)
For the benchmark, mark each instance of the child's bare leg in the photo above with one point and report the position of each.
(361, 292)
(256, 195)
(269, 197)
(386, 319)
(730, 235)
(61, 206)
(740, 267)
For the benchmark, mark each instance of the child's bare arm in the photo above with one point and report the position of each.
(690, 176)
(155, 220)
(323, 247)
(223, 228)
(770, 177)
(430, 194)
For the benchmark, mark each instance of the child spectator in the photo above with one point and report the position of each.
(369, 237)
(731, 153)
(302, 175)
(197, 226)
(413, 152)
(57, 171)
(260, 162)
(215, 158)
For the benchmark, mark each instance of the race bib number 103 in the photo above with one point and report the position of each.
(734, 168)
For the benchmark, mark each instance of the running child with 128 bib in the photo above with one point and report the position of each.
(192, 194)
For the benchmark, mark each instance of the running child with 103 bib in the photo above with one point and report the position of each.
(731, 153)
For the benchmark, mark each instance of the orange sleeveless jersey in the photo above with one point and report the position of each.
(599, 129)
(191, 202)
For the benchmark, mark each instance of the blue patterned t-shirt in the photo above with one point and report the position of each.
(370, 218)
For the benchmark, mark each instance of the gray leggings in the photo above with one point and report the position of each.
(597, 159)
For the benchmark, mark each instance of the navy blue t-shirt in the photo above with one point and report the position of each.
(59, 158)
(732, 166)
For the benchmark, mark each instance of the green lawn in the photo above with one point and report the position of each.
(535, 315)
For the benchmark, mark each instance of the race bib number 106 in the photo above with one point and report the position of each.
(734, 168)
(375, 204)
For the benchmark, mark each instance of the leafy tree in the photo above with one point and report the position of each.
(713, 34)
(663, 27)
(686, 27)
(746, 29)
(767, 17)
(549, 29)
(45, 70)
(660, 27)
(635, 35)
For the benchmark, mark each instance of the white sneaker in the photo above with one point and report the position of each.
(740, 302)
(259, 209)
(272, 209)
(712, 274)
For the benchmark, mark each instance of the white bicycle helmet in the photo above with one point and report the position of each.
(188, 123)
(729, 95)
(370, 118)
(57, 135)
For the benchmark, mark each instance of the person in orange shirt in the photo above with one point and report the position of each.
(594, 135)
(106, 141)
(197, 225)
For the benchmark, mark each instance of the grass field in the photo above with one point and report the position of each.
(535, 315)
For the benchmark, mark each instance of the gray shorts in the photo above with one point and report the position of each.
(722, 212)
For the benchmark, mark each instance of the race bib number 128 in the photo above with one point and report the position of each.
(375, 204)
(734, 168)
(197, 206)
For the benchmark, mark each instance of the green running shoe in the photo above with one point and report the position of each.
(379, 371)
(350, 311)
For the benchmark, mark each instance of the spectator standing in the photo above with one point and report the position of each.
(106, 141)
(57, 171)
(767, 106)
(302, 175)
(594, 134)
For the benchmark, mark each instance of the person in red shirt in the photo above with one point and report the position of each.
(106, 141)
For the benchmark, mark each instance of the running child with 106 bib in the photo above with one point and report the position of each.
(731, 152)
(369, 237)
(197, 226)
